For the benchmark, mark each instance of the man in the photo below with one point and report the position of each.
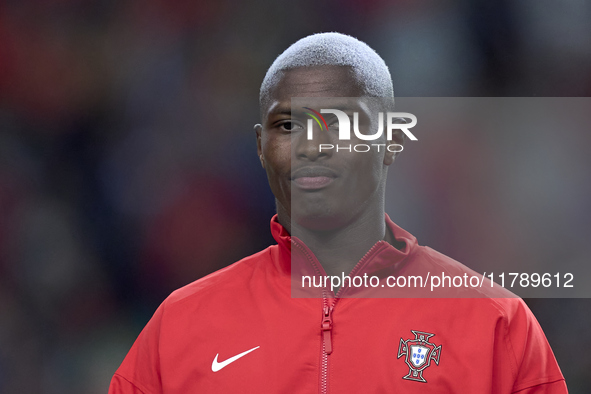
(247, 328)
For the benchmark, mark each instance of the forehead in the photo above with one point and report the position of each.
(318, 81)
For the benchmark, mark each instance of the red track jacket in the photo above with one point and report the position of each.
(239, 330)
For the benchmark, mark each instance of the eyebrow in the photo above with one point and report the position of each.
(285, 110)
(280, 109)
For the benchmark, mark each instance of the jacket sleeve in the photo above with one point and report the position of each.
(140, 371)
(537, 371)
(120, 385)
(546, 388)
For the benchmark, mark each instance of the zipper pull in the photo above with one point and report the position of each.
(326, 329)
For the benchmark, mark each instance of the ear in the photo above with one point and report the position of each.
(258, 128)
(398, 139)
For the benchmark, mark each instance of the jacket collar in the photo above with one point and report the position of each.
(382, 257)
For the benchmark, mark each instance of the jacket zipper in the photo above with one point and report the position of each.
(326, 345)
(327, 329)
(328, 309)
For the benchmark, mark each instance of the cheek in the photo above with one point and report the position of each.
(276, 152)
(374, 175)
(368, 168)
(277, 155)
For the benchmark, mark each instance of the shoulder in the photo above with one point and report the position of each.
(442, 263)
(519, 340)
(235, 275)
(183, 310)
(457, 280)
(507, 306)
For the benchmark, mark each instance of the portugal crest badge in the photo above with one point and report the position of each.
(419, 353)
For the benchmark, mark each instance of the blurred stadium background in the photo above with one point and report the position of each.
(128, 165)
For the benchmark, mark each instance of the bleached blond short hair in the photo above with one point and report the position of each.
(332, 49)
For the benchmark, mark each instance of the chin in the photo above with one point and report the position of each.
(319, 218)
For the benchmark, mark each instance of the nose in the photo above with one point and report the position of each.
(307, 144)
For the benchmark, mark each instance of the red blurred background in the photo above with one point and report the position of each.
(127, 156)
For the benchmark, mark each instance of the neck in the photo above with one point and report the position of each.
(339, 250)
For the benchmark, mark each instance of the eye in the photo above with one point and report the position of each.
(333, 124)
(290, 126)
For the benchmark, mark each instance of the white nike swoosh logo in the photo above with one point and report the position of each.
(215, 366)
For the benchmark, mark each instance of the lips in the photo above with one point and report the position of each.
(313, 178)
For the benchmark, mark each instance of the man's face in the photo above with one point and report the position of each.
(319, 190)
